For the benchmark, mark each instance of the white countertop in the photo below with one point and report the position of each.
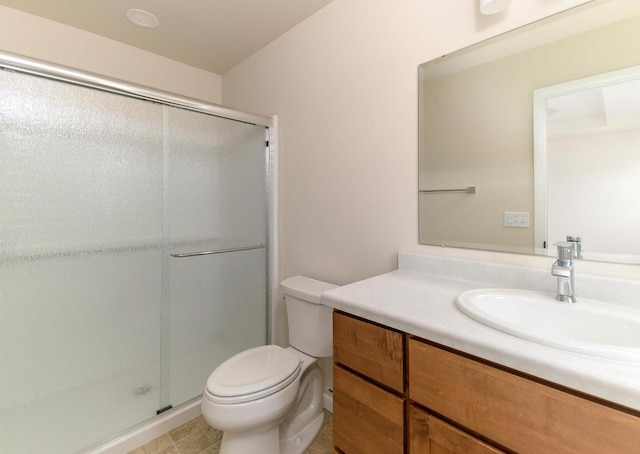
(423, 304)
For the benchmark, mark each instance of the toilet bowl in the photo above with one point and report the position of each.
(268, 399)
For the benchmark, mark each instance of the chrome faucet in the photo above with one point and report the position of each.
(563, 269)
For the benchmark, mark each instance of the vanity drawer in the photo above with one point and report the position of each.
(430, 435)
(366, 418)
(369, 349)
(515, 412)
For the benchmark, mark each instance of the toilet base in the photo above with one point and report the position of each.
(302, 440)
(270, 441)
(305, 421)
(263, 442)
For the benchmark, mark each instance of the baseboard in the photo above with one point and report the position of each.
(327, 398)
(149, 430)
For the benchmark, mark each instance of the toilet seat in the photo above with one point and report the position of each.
(253, 374)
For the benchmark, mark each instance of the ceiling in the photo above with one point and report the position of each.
(612, 107)
(214, 35)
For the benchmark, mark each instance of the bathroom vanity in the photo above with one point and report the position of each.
(413, 374)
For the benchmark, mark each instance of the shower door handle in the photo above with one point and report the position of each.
(218, 251)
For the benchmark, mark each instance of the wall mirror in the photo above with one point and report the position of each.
(534, 135)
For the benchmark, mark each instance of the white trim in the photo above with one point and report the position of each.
(539, 171)
(327, 401)
(274, 284)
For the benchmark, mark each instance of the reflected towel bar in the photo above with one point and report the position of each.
(469, 190)
(219, 251)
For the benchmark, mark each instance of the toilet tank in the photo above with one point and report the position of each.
(310, 323)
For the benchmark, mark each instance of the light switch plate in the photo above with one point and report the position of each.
(516, 219)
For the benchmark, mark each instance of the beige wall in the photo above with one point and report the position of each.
(43, 39)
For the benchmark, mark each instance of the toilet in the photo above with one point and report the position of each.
(268, 399)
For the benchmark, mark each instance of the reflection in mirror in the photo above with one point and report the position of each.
(477, 130)
(586, 149)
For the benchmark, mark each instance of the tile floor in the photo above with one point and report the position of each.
(197, 437)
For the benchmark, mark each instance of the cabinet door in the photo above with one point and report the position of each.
(430, 435)
(366, 418)
(372, 350)
(523, 415)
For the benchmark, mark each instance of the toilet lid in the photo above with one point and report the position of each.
(253, 374)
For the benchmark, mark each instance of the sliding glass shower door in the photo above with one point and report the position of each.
(100, 326)
(217, 202)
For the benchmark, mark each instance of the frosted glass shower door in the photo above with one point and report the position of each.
(80, 255)
(216, 200)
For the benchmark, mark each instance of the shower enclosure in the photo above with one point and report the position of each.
(133, 253)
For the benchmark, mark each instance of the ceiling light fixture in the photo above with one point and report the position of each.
(142, 18)
(493, 6)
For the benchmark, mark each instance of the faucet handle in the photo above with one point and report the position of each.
(565, 250)
(577, 241)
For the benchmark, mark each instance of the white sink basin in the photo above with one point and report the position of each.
(588, 327)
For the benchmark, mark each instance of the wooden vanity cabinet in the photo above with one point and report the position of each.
(518, 413)
(368, 384)
(395, 393)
